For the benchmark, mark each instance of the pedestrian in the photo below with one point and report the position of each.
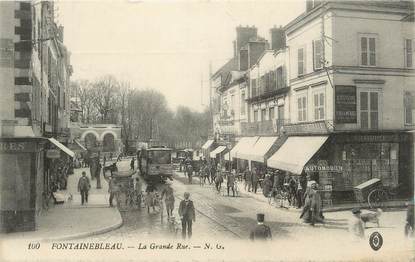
(356, 227)
(104, 161)
(218, 181)
(255, 179)
(230, 182)
(206, 172)
(409, 225)
(299, 195)
(187, 214)
(261, 231)
(98, 174)
(312, 207)
(292, 188)
(111, 190)
(212, 172)
(83, 187)
(248, 179)
(267, 186)
(132, 163)
(168, 200)
(189, 170)
(303, 183)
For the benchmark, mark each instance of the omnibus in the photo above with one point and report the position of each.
(155, 164)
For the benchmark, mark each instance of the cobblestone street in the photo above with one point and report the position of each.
(231, 218)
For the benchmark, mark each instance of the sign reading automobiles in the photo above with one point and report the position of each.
(345, 100)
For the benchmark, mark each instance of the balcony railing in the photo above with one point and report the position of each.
(267, 94)
(257, 128)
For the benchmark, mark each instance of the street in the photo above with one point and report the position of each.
(231, 218)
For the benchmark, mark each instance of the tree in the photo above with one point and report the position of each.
(104, 98)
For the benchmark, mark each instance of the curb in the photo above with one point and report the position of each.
(87, 234)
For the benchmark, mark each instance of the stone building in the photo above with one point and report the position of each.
(34, 112)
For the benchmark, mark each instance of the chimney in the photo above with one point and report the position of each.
(243, 59)
(277, 36)
(255, 49)
(243, 34)
(311, 4)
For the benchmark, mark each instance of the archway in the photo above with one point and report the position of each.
(108, 143)
(90, 140)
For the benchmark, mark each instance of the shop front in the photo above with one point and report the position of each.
(207, 147)
(21, 174)
(350, 159)
(240, 150)
(341, 161)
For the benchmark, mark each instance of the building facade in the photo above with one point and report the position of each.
(35, 71)
(351, 79)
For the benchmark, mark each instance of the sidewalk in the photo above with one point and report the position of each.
(334, 208)
(72, 220)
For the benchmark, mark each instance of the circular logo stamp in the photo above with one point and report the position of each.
(376, 241)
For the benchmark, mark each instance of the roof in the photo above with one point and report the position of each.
(224, 71)
(390, 6)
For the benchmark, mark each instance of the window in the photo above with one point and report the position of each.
(232, 103)
(280, 78)
(271, 113)
(301, 61)
(255, 115)
(243, 103)
(318, 54)
(409, 108)
(302, 108)
(319, 106)
(263, 114)
(369, 110)
(262, 87)
(272, 80)
(367, 51)
(254, 88)
(409, 53)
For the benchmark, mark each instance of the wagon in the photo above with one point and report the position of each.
(371, 191)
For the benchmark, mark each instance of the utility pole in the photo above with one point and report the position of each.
(201, 89)
(210, 95)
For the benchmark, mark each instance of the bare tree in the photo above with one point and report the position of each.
(105, 96)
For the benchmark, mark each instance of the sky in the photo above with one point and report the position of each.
(164, 45)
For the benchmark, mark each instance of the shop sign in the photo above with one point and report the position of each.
(345, 105)
(325, 168)
(307, 128)
(370, 138)
(17, 147)
(53, 153)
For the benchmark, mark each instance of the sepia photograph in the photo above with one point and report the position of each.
(207, 130)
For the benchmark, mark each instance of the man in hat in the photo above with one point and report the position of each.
(261, 231)
(83, 187)
(356, 224)
(187, 214)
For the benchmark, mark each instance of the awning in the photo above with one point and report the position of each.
(62, 147)
(80, 145)
(218, 150)
(207, 144)
(260, 148)
(296, 152)
(244, 146)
